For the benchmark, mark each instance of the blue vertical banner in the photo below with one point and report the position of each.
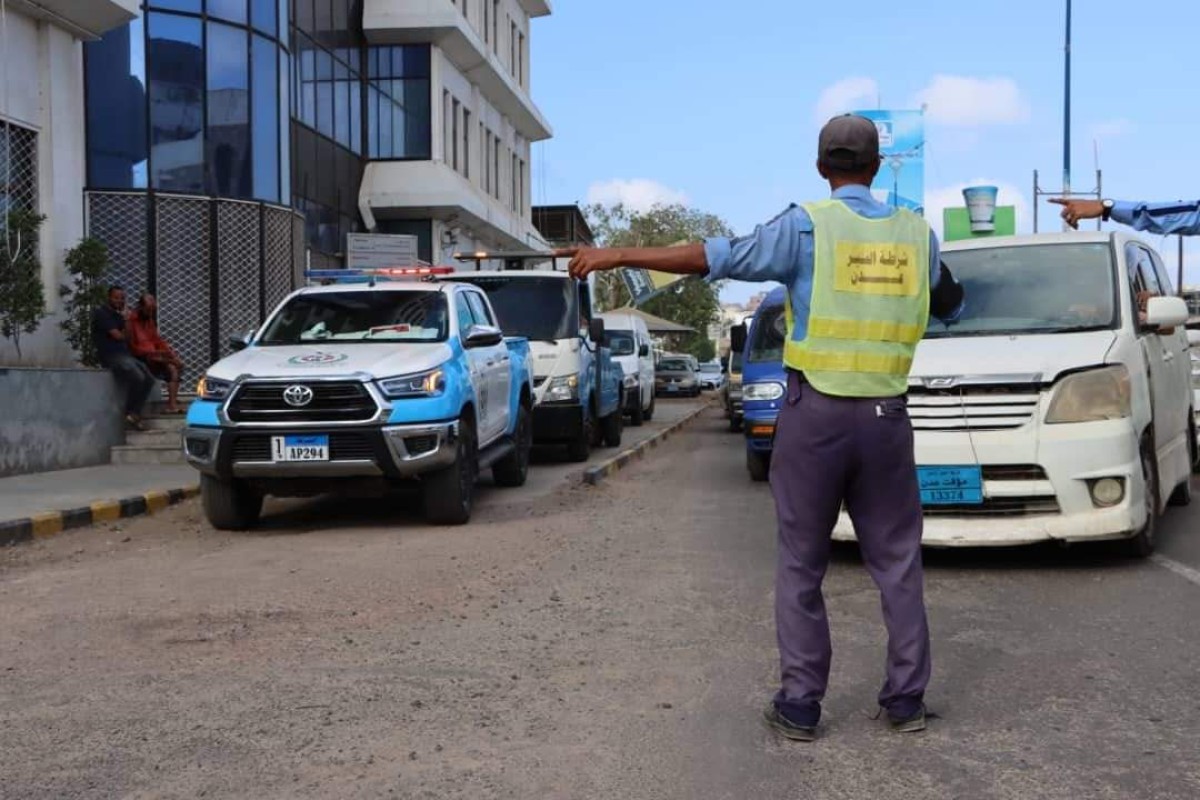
(901, 179)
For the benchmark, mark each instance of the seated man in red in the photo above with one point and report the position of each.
(147, 345)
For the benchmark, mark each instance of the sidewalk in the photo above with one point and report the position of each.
(46, 503)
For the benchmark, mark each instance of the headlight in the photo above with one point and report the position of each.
(767, 390)
(562, 389)
(422, 384)
(213, 388)
(1097, 394)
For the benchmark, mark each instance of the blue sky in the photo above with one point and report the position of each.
(718, 104)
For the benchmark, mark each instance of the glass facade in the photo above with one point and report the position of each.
(192, 98)
(280, 101)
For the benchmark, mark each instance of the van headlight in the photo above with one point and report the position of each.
(210, 388)
(764, 390)
(422, 384)
(562, 389)
(1091, 396)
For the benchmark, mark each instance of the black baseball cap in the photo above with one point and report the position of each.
(849, 142)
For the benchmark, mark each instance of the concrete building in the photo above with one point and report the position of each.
(42, 133)
(218, 147)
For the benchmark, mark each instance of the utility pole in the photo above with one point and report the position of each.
(1067, 113)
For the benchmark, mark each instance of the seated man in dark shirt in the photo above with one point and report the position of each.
(108, 331)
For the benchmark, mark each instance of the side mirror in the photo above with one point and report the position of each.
(482, 336)
(643, 351)
(239, 343)
(737, 338)
(596, 330)
(1166, 312)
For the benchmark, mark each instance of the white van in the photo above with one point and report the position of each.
(629, 340)
(1059, 407)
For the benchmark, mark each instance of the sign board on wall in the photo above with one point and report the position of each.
(901, 180)
(380, 250)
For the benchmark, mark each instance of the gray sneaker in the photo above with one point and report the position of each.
(913, 723)
(786, 728)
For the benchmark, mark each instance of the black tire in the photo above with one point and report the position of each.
(513, 469)
(1193, 444)
(1142, 544)
(611, 428)
(229, 505)
(649, 415)
(759, 466)
(1182, 496)
(579, 449)
(638, 415)
(450, 492)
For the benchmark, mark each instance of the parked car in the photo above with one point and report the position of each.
(630, 343)
(1060, 406)
(711, 375)
(677, 375)
(577, 385)
(764, 380)
(731, 392)
(364, 385)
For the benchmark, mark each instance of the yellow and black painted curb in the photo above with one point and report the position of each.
(49, 523)
(606, 469)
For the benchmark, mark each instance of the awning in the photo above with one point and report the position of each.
(658, 324)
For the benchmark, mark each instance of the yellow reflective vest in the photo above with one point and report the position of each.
(869, 305)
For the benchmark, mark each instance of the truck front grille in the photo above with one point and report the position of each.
(971, 408)
(331, 402)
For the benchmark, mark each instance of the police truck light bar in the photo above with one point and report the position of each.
(327, 276)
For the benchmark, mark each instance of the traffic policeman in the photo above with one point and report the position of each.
(862, 280)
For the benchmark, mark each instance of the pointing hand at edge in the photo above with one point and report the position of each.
(1075, 210)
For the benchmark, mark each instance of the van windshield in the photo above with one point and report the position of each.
(770, 331)
(541, 309)
(621, 343)
(1051, 288)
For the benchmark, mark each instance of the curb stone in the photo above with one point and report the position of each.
(50, 523)
(606, 469)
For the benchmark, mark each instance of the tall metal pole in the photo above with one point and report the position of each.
(1179, 282)
(1067, 112)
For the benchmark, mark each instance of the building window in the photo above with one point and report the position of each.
(228, 138)
(175, 62)
(521, 59)
(487, 21)
(454, 107)
(116, 125)
(18, 170)
(496, 167)
(515, 203)
(485, 165)
(399, 104)
(495, 26)
(466, 144)
(512, 47)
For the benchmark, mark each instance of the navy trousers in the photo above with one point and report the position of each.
(831, 451)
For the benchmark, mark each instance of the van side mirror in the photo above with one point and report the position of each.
(644, 350)
(737, 338)
(596, 330)
(1165, 312)
(1193, 338)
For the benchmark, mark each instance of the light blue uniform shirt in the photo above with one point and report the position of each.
(782, 250)
(1181, 217)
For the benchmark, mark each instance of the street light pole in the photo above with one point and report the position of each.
(1067, 113)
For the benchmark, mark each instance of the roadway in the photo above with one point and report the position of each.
(614, 641)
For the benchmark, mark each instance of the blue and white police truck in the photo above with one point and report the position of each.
(376, 378)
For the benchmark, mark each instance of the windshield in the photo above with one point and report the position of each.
(710, 367)
(1052, 288)
(674, 365)
(621, 343)
(542, 309)
(770, 331)
(360, 316)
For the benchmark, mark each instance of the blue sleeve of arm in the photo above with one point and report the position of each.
(946, 297)
(1181, 218)
(771, 253)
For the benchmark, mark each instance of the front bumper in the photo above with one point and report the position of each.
(680, 388)
(759, 427)
(557, 422)
(389, 451)
(1048, 470)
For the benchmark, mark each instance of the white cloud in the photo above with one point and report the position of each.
(637, 194)
(937, 200)
(966, 102)
(848, 94)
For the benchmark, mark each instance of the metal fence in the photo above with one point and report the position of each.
(217, 266)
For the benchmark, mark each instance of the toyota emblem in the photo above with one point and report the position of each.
(297, 396)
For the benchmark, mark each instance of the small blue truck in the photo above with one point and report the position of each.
(764, 380)
(379, 377)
